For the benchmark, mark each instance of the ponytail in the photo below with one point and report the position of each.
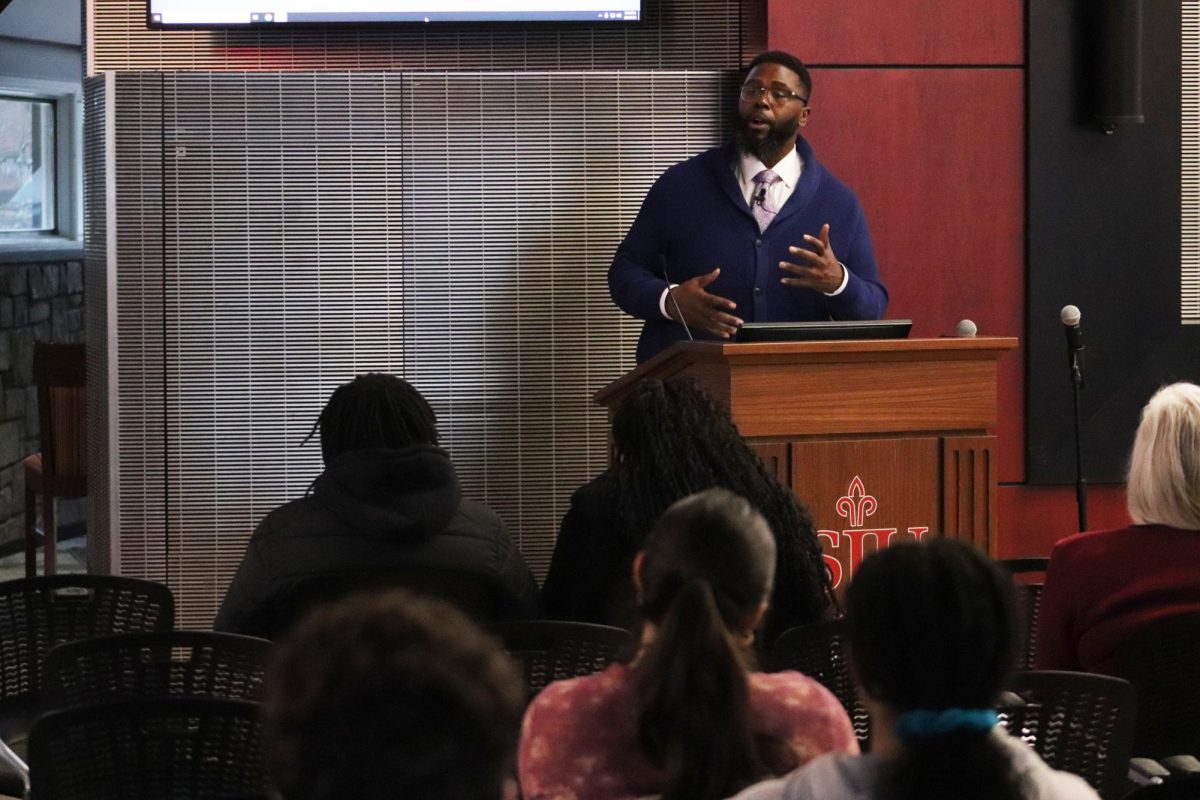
(693, 690)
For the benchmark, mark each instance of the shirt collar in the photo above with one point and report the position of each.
(788, 168)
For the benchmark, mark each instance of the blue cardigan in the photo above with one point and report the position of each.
(695, 218)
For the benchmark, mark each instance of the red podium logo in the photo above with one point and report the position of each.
(855, 506)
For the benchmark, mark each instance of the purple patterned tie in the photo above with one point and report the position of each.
(760, 202)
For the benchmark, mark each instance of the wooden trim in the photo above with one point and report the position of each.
(969, 510)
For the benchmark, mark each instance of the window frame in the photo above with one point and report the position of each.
(65, 241)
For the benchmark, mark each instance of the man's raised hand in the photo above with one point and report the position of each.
(821, 270)
(701, 309)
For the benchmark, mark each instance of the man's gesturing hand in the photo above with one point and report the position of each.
(821, 270)
(701, 309)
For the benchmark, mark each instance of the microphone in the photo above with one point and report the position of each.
(966, 329)
(662, 262)
(760, 198)
(1070, 317)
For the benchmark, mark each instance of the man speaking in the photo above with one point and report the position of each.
(754, 231)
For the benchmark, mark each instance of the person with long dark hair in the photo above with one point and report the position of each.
(931, 634)
(686, 719)
(671, 439)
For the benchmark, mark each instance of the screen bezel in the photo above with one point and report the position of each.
(368, 20)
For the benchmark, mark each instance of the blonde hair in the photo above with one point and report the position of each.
(1164, 468)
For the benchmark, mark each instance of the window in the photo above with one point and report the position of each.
(27, 165)
(40, 170)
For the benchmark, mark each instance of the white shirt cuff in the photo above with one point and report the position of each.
(662, 299)
(842, 288)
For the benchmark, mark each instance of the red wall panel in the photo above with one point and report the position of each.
(1033, 518)
(937, 159)
(899, 31)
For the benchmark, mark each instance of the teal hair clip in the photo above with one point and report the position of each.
(921, 724)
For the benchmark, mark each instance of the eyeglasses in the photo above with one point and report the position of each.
(753, 91)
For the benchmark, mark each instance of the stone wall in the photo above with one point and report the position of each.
(38, 302)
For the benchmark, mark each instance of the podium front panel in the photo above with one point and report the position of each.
(868, 493)
(886, 397)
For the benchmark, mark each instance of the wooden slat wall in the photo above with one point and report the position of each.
(312, 226)
(324, 217)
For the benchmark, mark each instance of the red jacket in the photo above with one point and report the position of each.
(1102, 585)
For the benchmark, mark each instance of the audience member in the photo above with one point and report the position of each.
(1102, 585)
(390, 695)
(685, 719)
(931, 635)
(389, 497)
(671, 439)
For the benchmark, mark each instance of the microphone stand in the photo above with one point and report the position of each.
(1080, 481)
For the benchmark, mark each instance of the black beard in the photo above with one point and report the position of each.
(779, 137)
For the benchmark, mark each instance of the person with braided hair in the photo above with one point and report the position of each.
(389, 498)
(931, 635)
(687, 718)
(672, 439)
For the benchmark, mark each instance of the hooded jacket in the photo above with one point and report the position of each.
(369, 511)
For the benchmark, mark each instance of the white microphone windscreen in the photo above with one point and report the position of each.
(1070, 316)
(966, 329)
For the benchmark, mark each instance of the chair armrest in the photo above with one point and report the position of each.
(15, 763)
(1145, 771)
(1182, 765)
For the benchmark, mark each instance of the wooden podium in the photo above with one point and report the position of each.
(883, 439)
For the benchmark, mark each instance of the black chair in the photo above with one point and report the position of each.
(160, 664)
(819, 651)
(1161, 659)
(196, 747)
(1028, 600)
(474, 594)
(1077, 722)
(37, 614)
(553, 650)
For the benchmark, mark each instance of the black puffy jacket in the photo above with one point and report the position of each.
(371, 510)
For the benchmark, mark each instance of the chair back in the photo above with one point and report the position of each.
(37, 614)
(474, 594)
(819, 651)
(60, 373)
(1077, 722)
(553, 650)
(159, 664)
(1028, 602)
(196, 747)
(1161, 659)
